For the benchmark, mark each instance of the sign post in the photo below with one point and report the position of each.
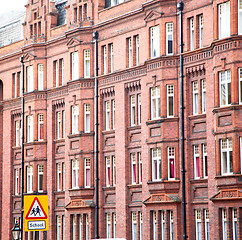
(36, 214)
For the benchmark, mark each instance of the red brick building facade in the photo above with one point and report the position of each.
(139, 118)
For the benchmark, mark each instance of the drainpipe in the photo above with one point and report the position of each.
(22, 149)
(95, 36)
(180, 7)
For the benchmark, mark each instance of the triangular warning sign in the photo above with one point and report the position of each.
(36, 211)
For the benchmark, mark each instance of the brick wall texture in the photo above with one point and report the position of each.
(140, 187)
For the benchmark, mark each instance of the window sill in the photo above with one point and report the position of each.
(199, 180)
(109, 188)
(35, 142)
(59, 192)
(108, 131)
(36, 193)
(16, 148)
(197, 116)
(60, 140)
(232, 175)
(74, 135)
(233, 106)
(161, 120)
(138, 185)
(135, 127)
(80, 189)
(163, 181)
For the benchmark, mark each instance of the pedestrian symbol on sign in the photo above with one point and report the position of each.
(36, 210)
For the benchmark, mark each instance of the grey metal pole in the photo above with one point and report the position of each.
(180, 7)
(95, 36)
(22, 149)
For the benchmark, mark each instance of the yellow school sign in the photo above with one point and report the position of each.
(36, 214)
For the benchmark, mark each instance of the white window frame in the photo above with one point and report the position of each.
(169, 38)
(140, 167)
(30, 131)
(134, 226)
(59, 177)
(107, 114)
(225, 82)
(155, 103)
(16, 176)
(41, 76)
(200, 20)
(40, 175)
(63, 124)
(139, 109)
(224, 19)
(203, 84)
(62, 70)
(80, 226)
(58, 227)
(224, 224)
(198, 216)
(171, 155)
(240, 155)
(133, 166)
(205, 161)
(171, 226)
(114, 225)
(240, 79)
(20, 84)
(206, 213)
(74, 65)
(163, 225)
(195, 97)
(56, 73)
(63, 226)
(29, 179)
(63, 176)
(132, 110)
(130, 52)
(17, 134)
(75, 118)
(108, 225)
(235, 223)
(87, 168)
(113, 110)
(156, 158)
(154, 226)
(87, 62)
(15, 84)
(87, 232)
(111, 57)
(75, 173)
(239, 17)
(114, 2)
(226, 147)
(73, 227)
(108, 170)
(197, 174)
(87, 117)
(192, 34)
(104, 59)
(40, 122)
(137, 49)
(114, 170)
(30, 79)
(58, 125)
(170, 95)
(155, 41)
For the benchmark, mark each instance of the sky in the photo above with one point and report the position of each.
(9, 5)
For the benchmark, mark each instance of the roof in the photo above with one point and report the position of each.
(8, 18)
(59, 1)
